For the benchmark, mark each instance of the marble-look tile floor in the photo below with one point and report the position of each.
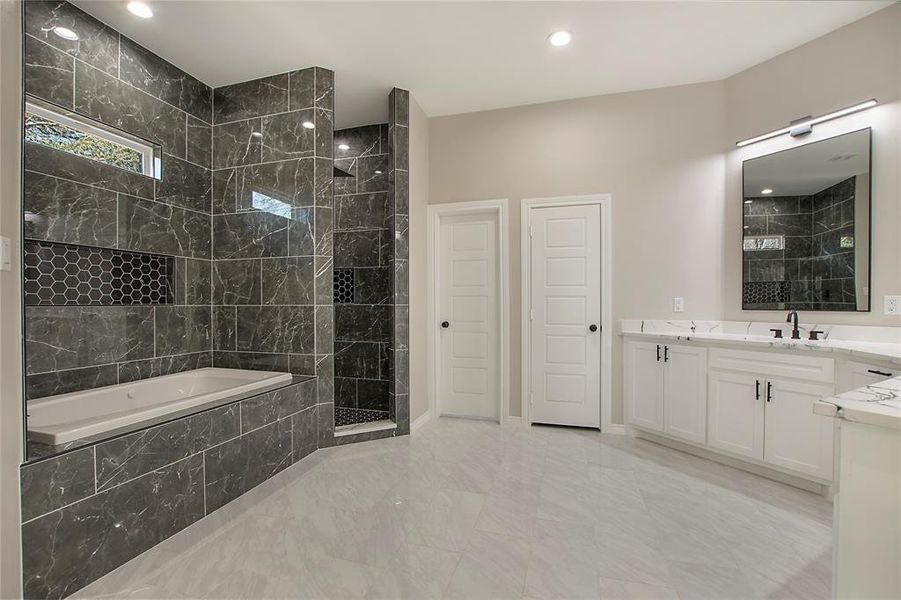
(468, 509)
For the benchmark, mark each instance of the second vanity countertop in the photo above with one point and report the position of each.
(869, 343)
(876, 404)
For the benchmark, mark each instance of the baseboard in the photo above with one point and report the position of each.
(614, 428)
(736, 463)
(420, 421)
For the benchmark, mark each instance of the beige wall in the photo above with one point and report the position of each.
(10, 307)
(855, 63)
(419, 194)
(657, 152)
(668, 157)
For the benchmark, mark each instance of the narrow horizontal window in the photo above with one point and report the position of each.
(763, 242)
(69, 133)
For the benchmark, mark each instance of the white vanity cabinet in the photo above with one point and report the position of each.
(752, 405)
(761, 407)
(666, 387)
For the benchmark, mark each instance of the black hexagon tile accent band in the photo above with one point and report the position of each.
(764, 292)
(343, 286)
(66, 275)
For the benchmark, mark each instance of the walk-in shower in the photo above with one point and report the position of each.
(370, 266)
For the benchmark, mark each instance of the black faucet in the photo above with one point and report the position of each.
(793, 318)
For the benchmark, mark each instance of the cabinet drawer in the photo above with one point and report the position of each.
(854, 374)
(774, 364)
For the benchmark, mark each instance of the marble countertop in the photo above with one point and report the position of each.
(876, 404)
(866, 343)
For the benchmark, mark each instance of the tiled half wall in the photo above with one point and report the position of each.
(88, 511)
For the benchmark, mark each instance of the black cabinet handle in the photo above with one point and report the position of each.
(666, 354)
(757, 389)
(769, 391)
(445, 324)
(877, 372)
(658, 352)
(592, 328)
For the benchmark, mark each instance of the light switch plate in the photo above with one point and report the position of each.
(678, 304)
(892, 305)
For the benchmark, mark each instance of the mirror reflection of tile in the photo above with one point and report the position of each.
(806, 227)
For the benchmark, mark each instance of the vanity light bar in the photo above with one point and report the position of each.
(809, 122)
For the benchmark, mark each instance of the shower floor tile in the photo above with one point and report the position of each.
(468, 509)
(352, 416)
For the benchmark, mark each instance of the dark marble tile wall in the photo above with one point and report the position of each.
(272, 215)
(74, 200)
(88, 511)
(363, 253)
(815, 271)
(399, 194)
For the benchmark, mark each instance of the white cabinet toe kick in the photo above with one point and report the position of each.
(752, 409)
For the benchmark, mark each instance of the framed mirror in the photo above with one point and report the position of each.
(806, 227)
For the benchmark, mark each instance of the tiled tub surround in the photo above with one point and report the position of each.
(87, 511)
(861, 342)
(74, 200)
(814, 271)
(363, 292)
(249, 225)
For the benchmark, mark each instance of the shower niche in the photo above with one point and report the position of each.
(370, 271)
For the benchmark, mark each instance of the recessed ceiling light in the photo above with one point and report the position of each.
(139, 9)
(344, 147)
(377, 172)
(257, 134)
(747, 226)
(65, 33)
(309, 125)
(560, 38)
(748, 201)
(766, 191)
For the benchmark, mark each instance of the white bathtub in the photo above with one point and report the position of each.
(67, 417)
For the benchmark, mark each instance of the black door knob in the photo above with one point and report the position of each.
(445, 324)
(592, 328)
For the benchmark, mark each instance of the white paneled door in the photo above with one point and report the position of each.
(468, 314)
(565, 337)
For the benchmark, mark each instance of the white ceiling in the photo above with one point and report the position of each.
(810, 168)
(458, 57)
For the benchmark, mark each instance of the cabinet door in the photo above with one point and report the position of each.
(796, 438)
(644, 385)
(685, 392)
(736, 413)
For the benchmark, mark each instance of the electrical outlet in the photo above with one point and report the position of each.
(892, 305)
(678, 304)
